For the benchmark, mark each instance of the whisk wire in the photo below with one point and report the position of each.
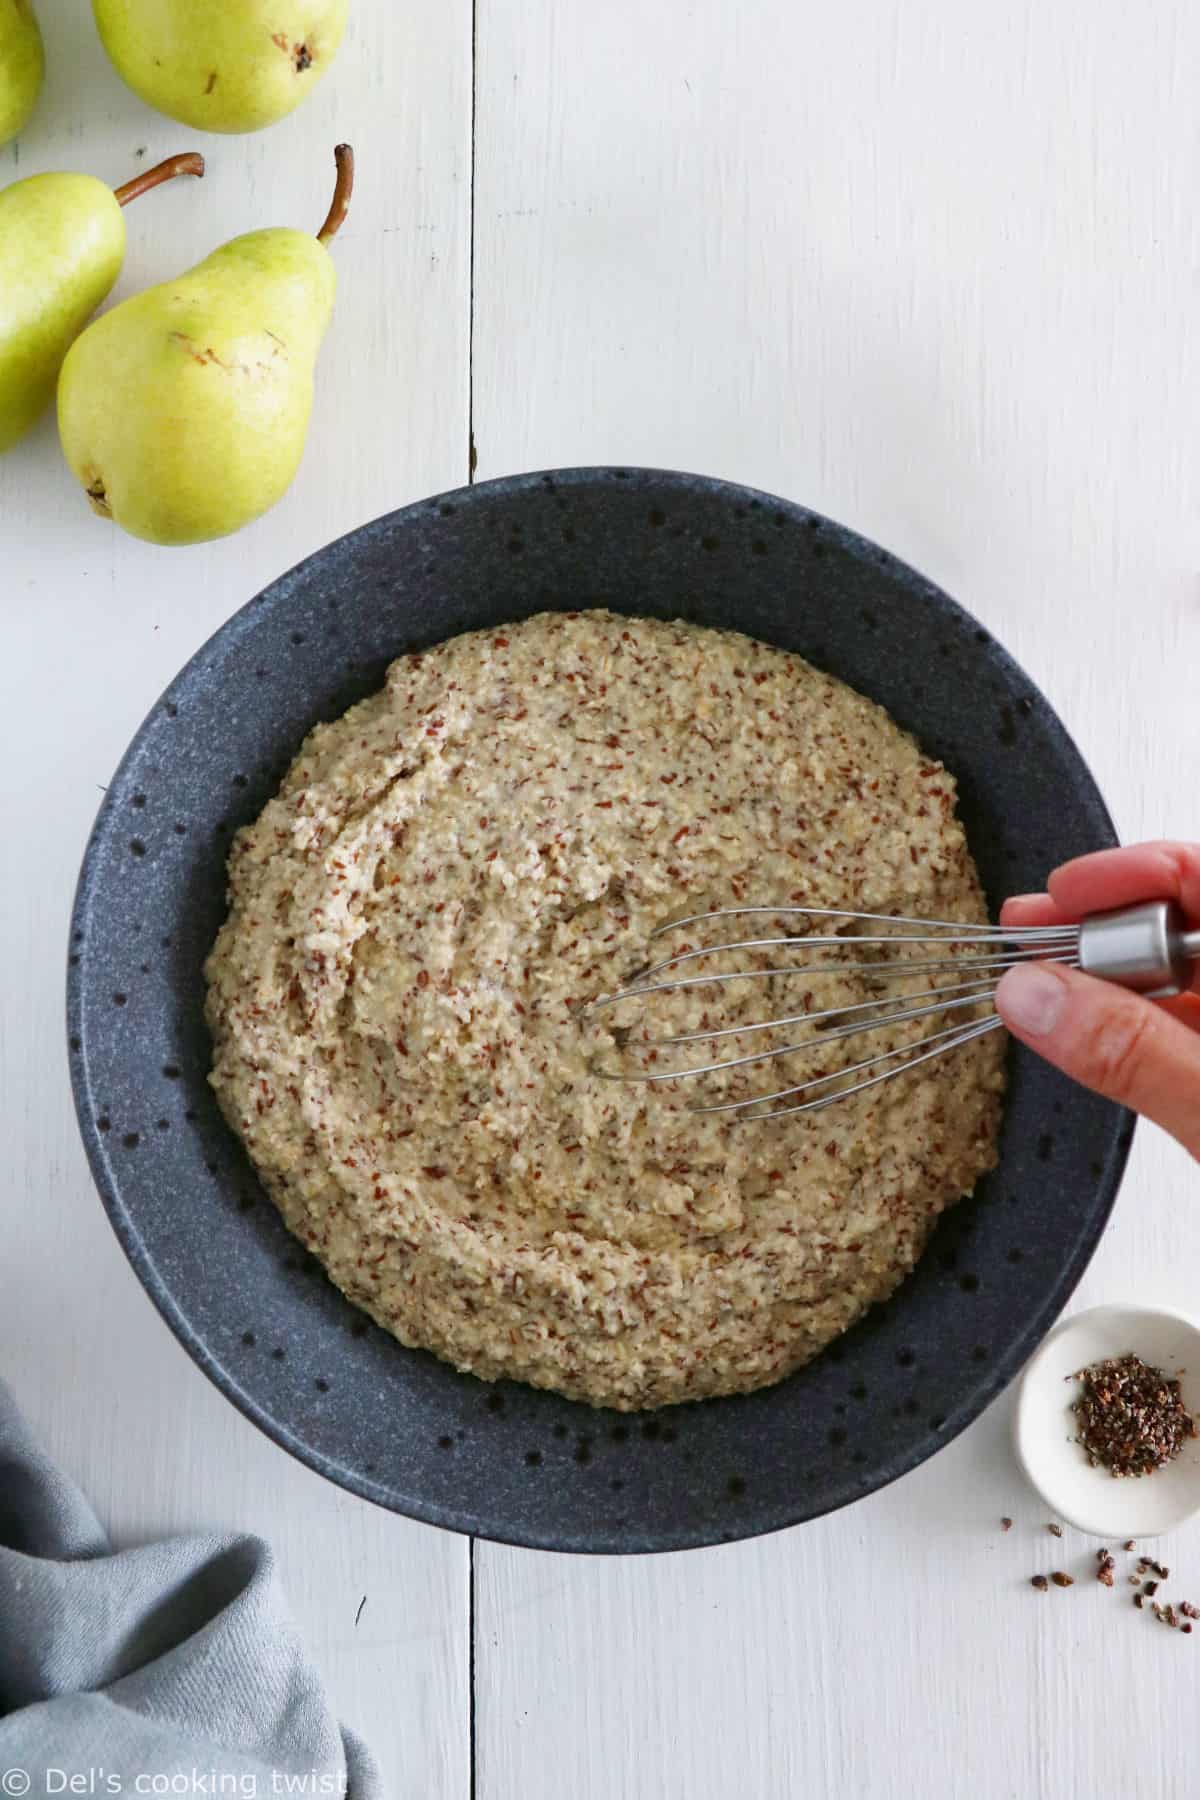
(957, 926)
(1151, 948)
(855, 1029)
(639, 987)
(981, 987)
(1053, 936)
(984, 952)
(949, 1040)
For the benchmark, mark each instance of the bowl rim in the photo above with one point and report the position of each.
(465, 1521)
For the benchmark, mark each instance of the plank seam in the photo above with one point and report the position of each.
(471, 460)
(471, 1656)
(471, 454)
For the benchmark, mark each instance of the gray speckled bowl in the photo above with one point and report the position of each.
(247, 1302)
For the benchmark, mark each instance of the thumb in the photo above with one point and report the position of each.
(1114, 1041)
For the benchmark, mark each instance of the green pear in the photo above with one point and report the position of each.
(183, 411)
(22, 65)
(62, 242)
(221, 65)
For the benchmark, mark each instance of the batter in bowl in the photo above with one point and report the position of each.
(399, 1006)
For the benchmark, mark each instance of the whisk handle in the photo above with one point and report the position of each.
(1147, 948)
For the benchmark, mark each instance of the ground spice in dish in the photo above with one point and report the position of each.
(1132, 1419)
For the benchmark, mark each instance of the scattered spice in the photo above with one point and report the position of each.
(1132, 1419)
(1006, 1524)
(1181, 1616)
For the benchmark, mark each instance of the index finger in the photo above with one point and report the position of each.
(1113, 878)
(1109, 878)
(1034, 909)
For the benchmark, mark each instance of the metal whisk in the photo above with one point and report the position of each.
(1148, 948)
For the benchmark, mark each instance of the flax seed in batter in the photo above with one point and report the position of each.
(398, 1000)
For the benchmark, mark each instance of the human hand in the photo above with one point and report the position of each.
(1142, 1053)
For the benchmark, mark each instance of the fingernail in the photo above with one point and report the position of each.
(1031, 999)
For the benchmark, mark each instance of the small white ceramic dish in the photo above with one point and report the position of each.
(1045, 1428)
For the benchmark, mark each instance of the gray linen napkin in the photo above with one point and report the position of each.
(170, 1669)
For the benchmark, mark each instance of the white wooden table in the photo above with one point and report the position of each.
(929, 268)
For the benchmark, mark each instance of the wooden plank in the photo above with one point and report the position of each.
(94, 625)
(931, 270)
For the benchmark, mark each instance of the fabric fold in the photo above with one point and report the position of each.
(177, 1660)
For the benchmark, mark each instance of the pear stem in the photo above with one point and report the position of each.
(343, 156)
(188, 162)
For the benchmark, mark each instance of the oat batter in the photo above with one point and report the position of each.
(398, 1002)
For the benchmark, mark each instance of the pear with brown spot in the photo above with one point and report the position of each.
(221, 65)
(183, 412)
